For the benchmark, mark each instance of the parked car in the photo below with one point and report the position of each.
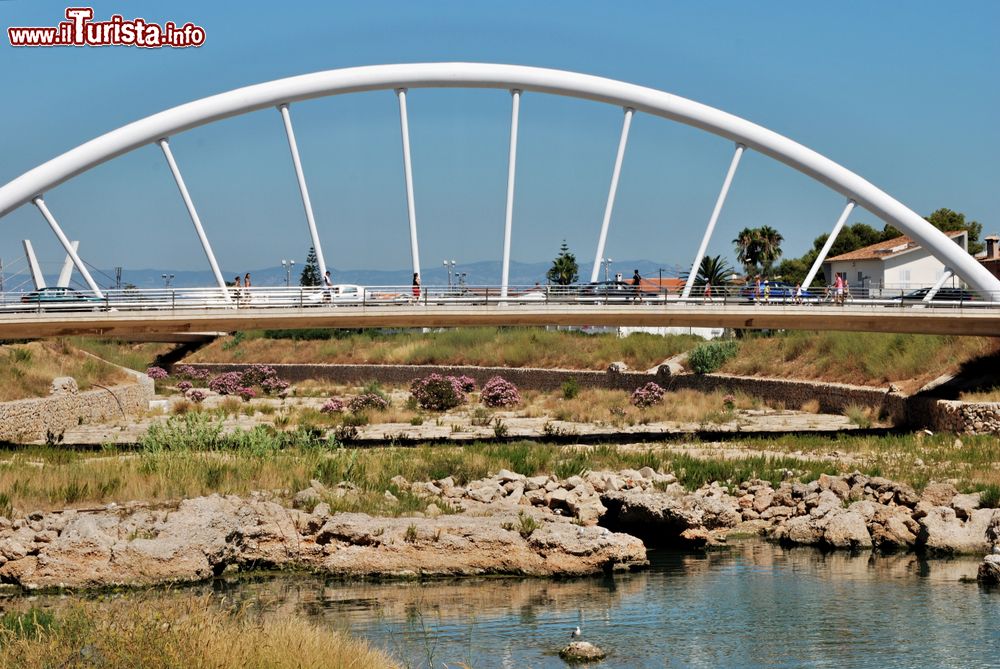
(61, 298)
(342, 293)
(943, 295)
(616, 291)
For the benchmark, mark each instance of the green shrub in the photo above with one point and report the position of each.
(526, 525)
(27, 625)
(233, 342)
(570, 388)
(990, 498)
(707, 358)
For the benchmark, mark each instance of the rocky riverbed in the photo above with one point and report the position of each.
(507, 523)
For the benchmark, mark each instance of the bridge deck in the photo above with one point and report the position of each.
(915, 319)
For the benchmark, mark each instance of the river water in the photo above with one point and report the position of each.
(756, 605)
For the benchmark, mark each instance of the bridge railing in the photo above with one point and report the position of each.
(484, 296)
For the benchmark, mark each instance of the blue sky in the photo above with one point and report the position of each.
(905, 94)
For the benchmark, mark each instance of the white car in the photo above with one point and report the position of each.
(341, 293)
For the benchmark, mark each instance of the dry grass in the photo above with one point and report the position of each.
(876, 359)
(612, 407)
(991, 395)
(171, 631)
(137, 356)
(27, 370)
(500, 347)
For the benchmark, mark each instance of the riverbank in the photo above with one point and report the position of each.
(504, 523)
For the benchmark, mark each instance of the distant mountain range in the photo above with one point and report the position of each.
(486, 272)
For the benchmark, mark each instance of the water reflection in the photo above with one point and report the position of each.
(755, 605)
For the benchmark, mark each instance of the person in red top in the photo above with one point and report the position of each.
(838, 285)
(416, 285)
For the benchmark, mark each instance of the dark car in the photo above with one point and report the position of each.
(60, 297)
(943, 295)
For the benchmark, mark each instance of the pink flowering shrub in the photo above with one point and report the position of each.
(227, 383)
(156, 373)
(192, 373)
(255, 374)
(332, 405)
(437, 393)
(729, 401)
(499, 392)
(247, 394)
(274, 385)
(184, 386)
(195, 395)
(365, 401)
(467, 383)
(647, 396)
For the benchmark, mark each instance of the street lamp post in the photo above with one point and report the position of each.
(607, 267)
(167, 278)
(450, 266)
(287, 265)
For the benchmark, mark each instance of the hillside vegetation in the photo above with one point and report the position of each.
(860, 358)
(501, 347)
(27, 370)
(137, 356)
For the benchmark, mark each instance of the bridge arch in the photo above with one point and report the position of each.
(157, 128)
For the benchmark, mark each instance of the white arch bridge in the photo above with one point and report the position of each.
(223, 310)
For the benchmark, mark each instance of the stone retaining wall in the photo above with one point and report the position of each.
(832, 397)
(32, 419)
(792, 394)
(955, 416)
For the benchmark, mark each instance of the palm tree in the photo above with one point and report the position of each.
(747, 250)
(758, 248)
(714, 271)
(769, 241)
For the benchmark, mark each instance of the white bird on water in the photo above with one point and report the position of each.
(575, 633)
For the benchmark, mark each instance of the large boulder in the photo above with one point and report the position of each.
(989, 570)
(846, 529)
(662, 517)
(802, 530)
(964, 505)
(582, 652)
(454, 545)
(943, 532)
(938, 494)
(892, 528)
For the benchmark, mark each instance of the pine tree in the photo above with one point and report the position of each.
(310, 272)
(564, 270)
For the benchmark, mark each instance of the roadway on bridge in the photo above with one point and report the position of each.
(867, 317)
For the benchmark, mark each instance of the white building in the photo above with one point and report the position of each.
(890, 267)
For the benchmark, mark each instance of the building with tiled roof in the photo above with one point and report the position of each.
(898, 264)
